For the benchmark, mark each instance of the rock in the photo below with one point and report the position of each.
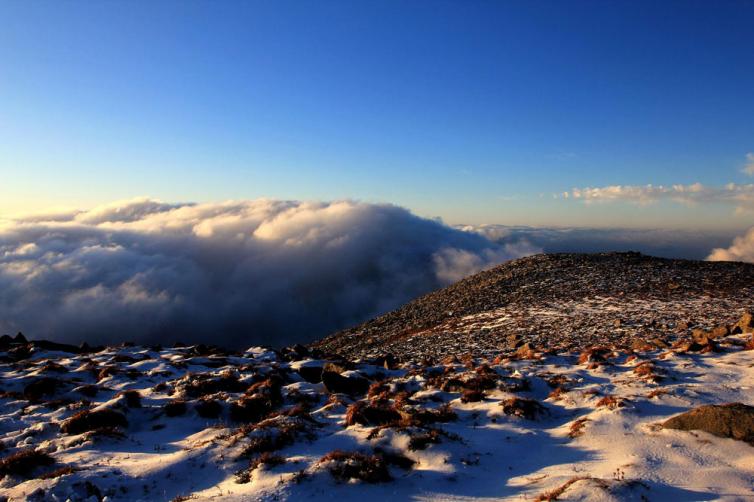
(744, 325)
(310, 373)
(719, 332)
(700, 336)
(335, 383)
(733, 420)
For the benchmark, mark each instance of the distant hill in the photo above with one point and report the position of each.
(558, 301)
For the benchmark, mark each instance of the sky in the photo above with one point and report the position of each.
(516, 113)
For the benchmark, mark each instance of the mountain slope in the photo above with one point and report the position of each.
(558, 301)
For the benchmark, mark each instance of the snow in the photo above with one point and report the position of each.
(622, 454)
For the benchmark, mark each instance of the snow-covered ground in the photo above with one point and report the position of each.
(592, 431)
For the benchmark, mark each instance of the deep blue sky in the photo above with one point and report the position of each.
(464, 110)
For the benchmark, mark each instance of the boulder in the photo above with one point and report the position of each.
(733, 420)
(335, 383)
(744, 325)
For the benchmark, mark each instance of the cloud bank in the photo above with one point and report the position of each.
(741, 196)
(689, 244)
(742, 249)
(233, 273)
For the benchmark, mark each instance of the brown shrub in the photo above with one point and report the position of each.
(372, 414)
(557, 492)
(106, 372)
(345, 466)
(208, 408)
(479, 383)
(203, 385)
(62, 471)
(426, 416)
(395, 458)
(577, 428)
(251, 408)
(132, 398)
(524, 408)
(24, 463)
(452, 385)
(265, 459)
(421, 440)
(610, 402)
(175, 408)
(557, 393)
(378, 389)
(472, 396)
(87, 420)
(595, 355)
(40, 387)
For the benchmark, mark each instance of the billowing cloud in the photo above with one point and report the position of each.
(742, 249)
(741, 196)
(234, 273)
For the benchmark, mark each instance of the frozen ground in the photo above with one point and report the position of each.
(576, 430)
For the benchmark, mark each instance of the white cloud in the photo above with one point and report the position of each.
(742, 249)
(749, 167)
(741, 196)
(236, 272)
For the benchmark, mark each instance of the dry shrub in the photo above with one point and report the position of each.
(24, 463)
(557, 393)
(175, 408)
(201, 385)
(577, 428)
(595, 355)
(452, 385)
(106, 372)
(372, 414)
(524, 408)
(62, 471)
(426, 416)
(482, 382)
(657, 393)
(395, 458)
(610, 402)
(557, 381)
(472, 396)
(208, 408)
(378, 389)
(345, 466)
(53, 367)
(557, 492)
(132, 398)
(105, 433)
(266, 459)
(423, 439)
(87, 420)
(40, 387)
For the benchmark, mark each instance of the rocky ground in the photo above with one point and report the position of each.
(559, 301)
(634, 392)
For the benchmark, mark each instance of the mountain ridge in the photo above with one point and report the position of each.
(703, 294)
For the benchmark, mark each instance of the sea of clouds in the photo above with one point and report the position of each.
(233, 273)
(271, 272)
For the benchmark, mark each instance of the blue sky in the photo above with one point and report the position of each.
(476, 112)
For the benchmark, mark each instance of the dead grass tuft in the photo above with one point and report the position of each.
(345, 466)
(24, 463)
